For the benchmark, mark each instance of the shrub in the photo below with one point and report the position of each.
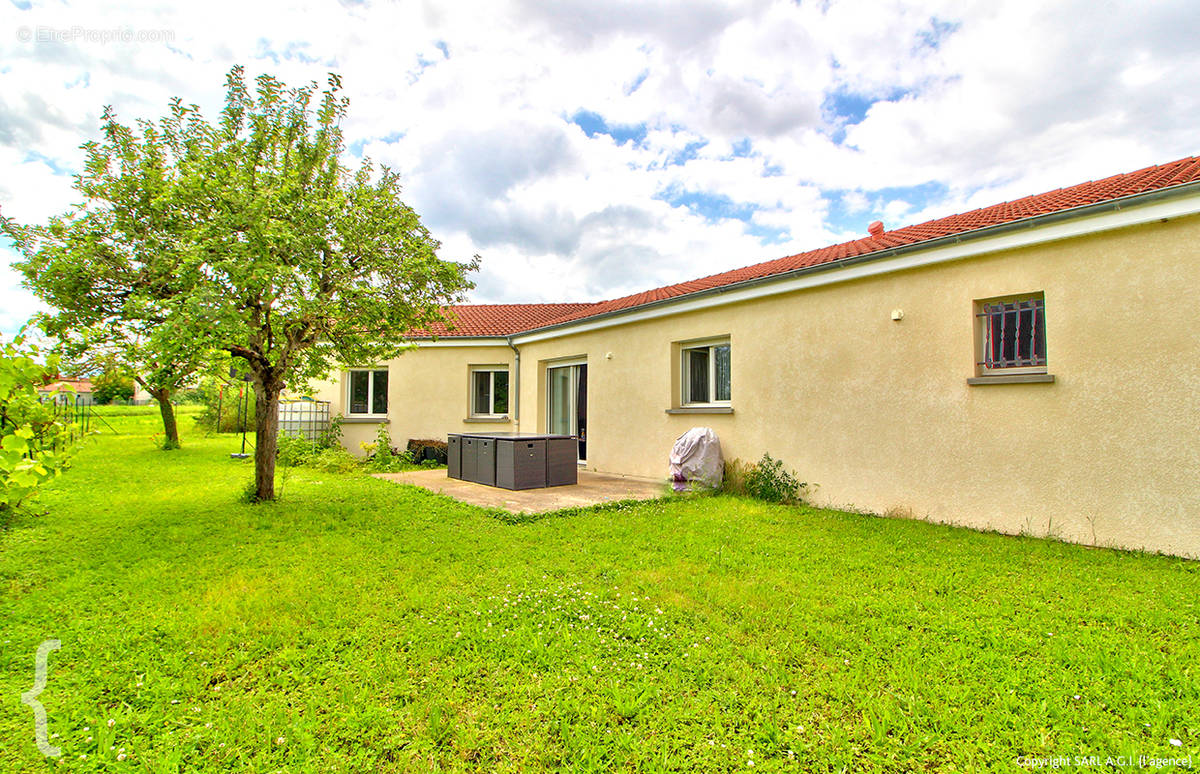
(222, 406)
(111, 386)
(293, 451)
(188, 397)
(328, 455)
(333, 434)
(769, 480)
(335, 460)
(382, 457)
(766, 480)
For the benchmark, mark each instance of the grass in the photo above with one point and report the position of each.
(359, 625)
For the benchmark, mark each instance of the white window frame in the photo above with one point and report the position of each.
(370, 391)
(981, 337)
(685, 373)
(491, 413)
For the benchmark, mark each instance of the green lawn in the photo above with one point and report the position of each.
(358, 625)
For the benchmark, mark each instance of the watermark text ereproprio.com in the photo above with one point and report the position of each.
(80, 34)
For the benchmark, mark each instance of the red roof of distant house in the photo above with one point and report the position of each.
(80, 386)
(505, 319)
(502, 319)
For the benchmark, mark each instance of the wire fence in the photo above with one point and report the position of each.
(70, 412)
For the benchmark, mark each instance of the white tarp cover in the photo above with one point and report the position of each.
(696, 460)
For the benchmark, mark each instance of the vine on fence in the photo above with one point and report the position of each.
(36, 437)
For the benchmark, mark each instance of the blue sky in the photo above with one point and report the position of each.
(589, 149)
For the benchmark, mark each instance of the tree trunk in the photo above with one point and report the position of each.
(266, 435)
(170, 429)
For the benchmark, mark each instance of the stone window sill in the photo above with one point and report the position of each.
(1012, 379)
(487, 420)
(701, 410)
(364, 420)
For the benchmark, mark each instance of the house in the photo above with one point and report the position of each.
(141, 396)
(1030, 367)
(67, 390)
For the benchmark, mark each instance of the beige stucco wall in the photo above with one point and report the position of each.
(428, 395)
(879, 413)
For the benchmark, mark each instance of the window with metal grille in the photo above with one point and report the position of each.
(1013, 333)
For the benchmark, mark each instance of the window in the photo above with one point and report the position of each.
(368, 392)
(706, 374)
(1012, 335)
(489, 392)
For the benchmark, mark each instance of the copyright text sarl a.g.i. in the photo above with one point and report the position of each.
(1106, 761)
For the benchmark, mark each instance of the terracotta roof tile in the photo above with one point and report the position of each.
(501, 319)
(505, 319)
(1185, 170)
(66, 382)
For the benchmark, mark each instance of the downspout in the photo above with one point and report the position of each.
(515, 393)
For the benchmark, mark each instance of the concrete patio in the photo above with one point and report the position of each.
(592, 489)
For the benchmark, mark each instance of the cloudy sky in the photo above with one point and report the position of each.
(590, 149)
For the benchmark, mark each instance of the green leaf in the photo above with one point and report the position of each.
(15, 442)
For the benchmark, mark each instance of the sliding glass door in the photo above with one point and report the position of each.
(566, 399)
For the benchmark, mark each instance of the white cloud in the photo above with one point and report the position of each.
(16, 304)
(471, 101)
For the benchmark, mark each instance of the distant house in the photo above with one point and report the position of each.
(1029, 367)
(140, 395)
(68, 390)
